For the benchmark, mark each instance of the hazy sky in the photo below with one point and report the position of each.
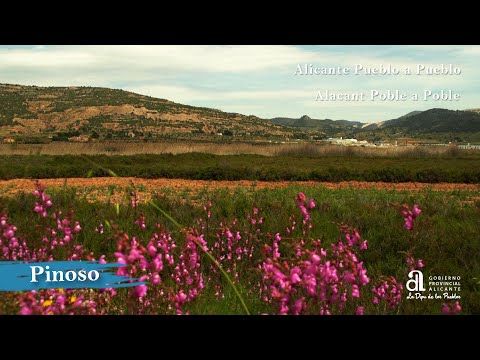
(256, 80)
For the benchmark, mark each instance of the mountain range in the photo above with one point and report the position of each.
(61, 112)
(306, 122)
(441, 124)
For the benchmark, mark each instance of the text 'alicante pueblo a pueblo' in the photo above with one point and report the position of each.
(359, 69)
(383, 95)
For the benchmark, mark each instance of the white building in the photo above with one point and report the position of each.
(348, 142)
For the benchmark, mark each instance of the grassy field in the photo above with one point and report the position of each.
(230, 147)
(180, 235)
(138, 148)
(445, 236)
(200, 166)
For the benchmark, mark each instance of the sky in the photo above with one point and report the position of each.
(254, 79)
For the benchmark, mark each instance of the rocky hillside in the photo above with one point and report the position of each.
(109, 113)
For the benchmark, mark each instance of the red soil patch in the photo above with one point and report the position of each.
(26, 185)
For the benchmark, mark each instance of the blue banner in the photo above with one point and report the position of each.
(24, 276)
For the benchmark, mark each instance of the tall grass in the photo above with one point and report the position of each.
(135, 148)
(265, 149)
(411, 152)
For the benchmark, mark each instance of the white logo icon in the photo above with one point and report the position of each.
(416, 281)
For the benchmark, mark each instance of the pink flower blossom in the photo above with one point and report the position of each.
(451, 308)
(140, 291)
(298, 306)
(410, 216)
(181, 297)
(276, 253)
(388, 290)
(360, 310)
(355, 291)
(414, 264)
(77, 227)
(301, 197)
(416, 210)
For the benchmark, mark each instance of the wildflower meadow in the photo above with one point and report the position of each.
(270, 251)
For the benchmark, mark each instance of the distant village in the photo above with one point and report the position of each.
(365, 143)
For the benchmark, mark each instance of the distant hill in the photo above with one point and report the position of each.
(307, 122)
(111, 113)
(411, 113)
(381, 124)
(436, 121)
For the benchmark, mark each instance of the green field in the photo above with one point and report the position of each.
(445, 236)
(422, 168)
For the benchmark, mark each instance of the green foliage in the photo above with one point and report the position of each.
(12, 104)
(32, 139)
(248, 167)
(63, 136)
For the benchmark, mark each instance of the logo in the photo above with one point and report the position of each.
(440, 287)
(416, 281)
